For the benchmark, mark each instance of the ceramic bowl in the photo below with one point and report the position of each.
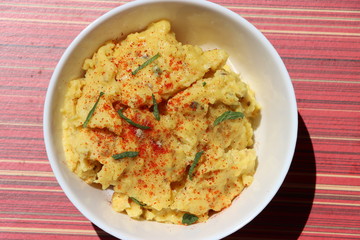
(251, 55)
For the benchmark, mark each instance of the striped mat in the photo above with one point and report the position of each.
(319, 41)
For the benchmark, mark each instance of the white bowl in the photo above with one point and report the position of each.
(209, 25)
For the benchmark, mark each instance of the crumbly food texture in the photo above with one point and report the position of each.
(192, 88)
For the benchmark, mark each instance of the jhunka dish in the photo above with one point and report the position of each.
(167, 126)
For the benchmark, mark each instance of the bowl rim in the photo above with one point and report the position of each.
(202, 3)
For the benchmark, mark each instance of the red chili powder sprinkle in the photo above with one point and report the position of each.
(106, 106)
(177, 65)
(141, 183)
(169, 85)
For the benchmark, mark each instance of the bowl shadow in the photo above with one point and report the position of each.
(286, 215)
(102, 234)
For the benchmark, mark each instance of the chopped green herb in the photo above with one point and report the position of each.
(194, 105)
(156, 109)
(204, 83)
(195, 162)
(137, 202)
(228, 115)
(131, 122)
(124, 155)
(189, 219)
(92, 111)
(145, 64)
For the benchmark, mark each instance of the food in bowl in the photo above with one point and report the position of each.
(167, 126)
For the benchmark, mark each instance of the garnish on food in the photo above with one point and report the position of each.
(193, 165)
(228, 115)
(145, 63)
(156, 108)
(189, 219)
(125, 154)
(92, 111)
(132, 122)
(194, 105)
(137, 202)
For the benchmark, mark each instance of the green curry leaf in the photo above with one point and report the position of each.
(156, 108)
(131, 122)
(189, 219)
(137, 202)
(92, 111)
(228, 115)
(145, 64)
(125, 154)
(195, 162)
